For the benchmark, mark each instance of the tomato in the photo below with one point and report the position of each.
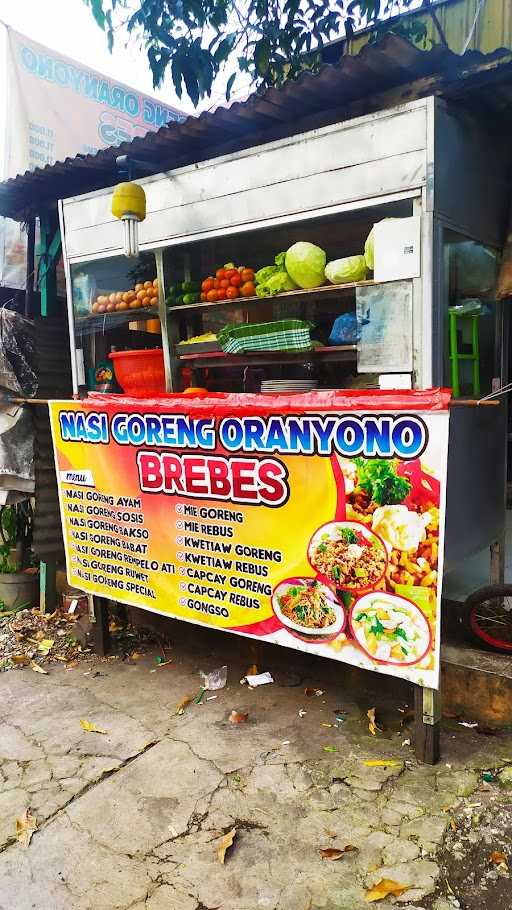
(203, 298)
(232, 293)
(236, 279)
(207, 285)
(248, 289)
(212, 295)
(229, 273)
(220, 273)
(216, 284)
(247, 275)
(224, 283)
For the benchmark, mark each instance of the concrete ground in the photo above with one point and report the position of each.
(133, 818)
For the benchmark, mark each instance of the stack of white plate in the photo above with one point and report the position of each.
(289, 385)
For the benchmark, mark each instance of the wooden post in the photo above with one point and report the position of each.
(49, 251)
(47, 586)
(427, 724)
(29, 281)
(101, 631)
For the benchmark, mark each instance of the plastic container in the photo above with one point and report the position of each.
(140, 372)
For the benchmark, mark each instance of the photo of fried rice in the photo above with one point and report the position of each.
(308, 607)
(349, 555)
(390, 629)
(399, 501)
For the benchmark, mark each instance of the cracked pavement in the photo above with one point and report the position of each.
(132, 819)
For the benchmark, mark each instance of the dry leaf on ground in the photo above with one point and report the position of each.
(180, 707)
(225, 844)
(311, 691)
(372, 723)
(26, 824)
(238, 717)
(37, 669)
(498, 857)
(333, 854)
(22, 660)
(383, 889)
(382, 762)
(45, 645)
(90, 727)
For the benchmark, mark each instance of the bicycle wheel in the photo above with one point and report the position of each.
(487, 617)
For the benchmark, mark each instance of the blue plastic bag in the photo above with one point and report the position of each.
(345, 330)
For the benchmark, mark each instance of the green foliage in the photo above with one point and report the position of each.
(269, 40)
(378, 477)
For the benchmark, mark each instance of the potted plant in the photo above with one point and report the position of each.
(19, 581)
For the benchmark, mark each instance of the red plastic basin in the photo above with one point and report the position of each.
(140, 372)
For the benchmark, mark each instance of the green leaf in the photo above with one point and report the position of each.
(97, 11)
(262, 55)
(229, 86)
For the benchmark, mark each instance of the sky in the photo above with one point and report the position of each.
(67, 26)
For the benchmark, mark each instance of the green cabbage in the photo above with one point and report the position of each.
(273, 279)
(369, 250)
(275, 284)
(305, 263)
(262, 275)
(342, 271)
(369, 247)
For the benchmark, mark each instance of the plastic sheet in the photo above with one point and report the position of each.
(222, 404)
(18, 378)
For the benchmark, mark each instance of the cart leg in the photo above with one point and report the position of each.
(497, 569)
(101, 632)
(427, 724)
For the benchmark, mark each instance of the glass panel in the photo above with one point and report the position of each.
(471, 355)
(115, 305)
(114, 285)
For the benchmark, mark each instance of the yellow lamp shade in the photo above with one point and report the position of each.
(129, 199)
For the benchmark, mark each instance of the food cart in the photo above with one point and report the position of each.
(298, 493)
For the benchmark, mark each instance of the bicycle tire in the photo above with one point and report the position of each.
(485, 631)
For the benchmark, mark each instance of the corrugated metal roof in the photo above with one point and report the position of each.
(350, 87)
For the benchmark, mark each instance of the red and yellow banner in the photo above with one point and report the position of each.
(314, 521)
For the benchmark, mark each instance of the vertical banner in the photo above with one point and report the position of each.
(312, 521)
(56, 108)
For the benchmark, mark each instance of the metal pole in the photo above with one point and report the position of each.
(29, 283)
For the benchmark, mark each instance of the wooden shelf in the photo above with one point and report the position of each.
(322, 293)
(220, 360)
(104, 322)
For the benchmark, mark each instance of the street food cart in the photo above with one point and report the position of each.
(239, 457)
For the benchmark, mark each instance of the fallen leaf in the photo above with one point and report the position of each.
(383, 889)
(453, 824)
(498, 858)
(311, 691)
(382, 763)
(331, 834)
(90, 727)
(372, 724)
(37, 669)
(333, 854)
(238, 717)
(329, 748)
(21, 660)
(136, 655)
(26, 824)
(46, 645)
(225, 844)
(180, 707)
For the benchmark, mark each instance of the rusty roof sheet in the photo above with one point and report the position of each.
(353, 86)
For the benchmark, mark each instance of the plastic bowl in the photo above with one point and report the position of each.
(140, 372)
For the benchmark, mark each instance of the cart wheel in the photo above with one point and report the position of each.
(487, 617)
